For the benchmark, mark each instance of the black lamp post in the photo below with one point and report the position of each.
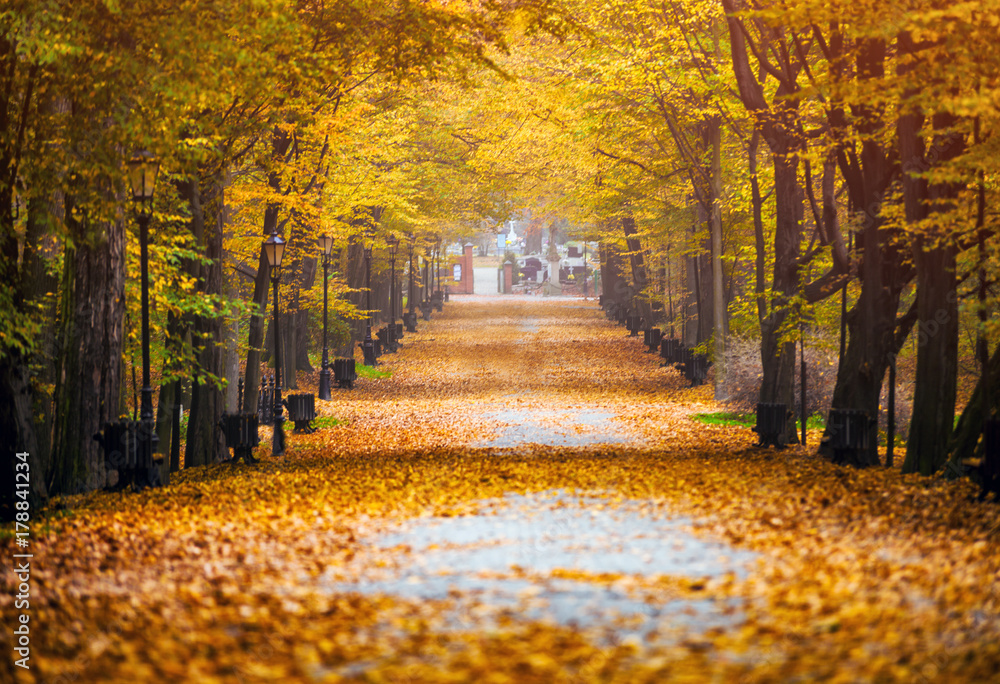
(142, 171)
(274, 249)
(326, 244)
(368, 345)
(393, 243)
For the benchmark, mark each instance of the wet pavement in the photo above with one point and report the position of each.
(521, 555)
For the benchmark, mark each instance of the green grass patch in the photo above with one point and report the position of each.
(727, 418)
(364, 371)
(813, 422)
(328, 421)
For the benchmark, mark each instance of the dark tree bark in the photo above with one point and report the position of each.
(937, 311)
(169, 402)
(204, 444)
(280, 142)
(966, 441)
(90, 343)
(36, 283)
(779, 125)
(17, 420)
(613, 284)
(640, 281)
(871, 323)
(307, 277)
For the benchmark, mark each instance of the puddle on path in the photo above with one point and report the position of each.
(503, 557)
(565, 428)
(530, 325)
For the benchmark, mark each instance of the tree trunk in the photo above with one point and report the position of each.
(933, 414)
(874, 335)
(640, 281)
(613, 284)
(714, 138)
(204, 444)
(937, 360)
(691, 329)
(89, 367)
(280, 142)
(303, 341)
(166, 407)
(16, 421)
(777, 356)
(777, 122)
(966, 439)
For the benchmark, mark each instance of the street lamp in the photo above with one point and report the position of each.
(326, 244)
(368, 345)
(393, 243)
(142, 171)
(274, 249)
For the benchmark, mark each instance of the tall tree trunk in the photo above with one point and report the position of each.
(204, 444)
(760, 244)
(937, 359)
(778, 123)
(934, 254)
(280, 142)
(38, 285)
(356, 283)
(777, 356)
(691, 329)
(714, 139)
(613, 285)
(874, 335)
(301, 321)
(89, 367)
(639, 278)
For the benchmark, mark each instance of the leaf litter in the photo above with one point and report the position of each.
(309, 567)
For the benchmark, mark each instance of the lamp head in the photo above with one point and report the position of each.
(142, 171)
(274, 249)
(326, 244)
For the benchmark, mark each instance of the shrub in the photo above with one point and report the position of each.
(744, 372)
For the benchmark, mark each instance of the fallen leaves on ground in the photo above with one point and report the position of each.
(223, 575)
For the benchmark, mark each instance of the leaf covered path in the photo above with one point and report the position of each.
(524, 498)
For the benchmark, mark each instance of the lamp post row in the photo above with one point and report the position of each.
(143, 169)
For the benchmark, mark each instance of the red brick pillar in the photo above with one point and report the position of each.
(468, 278)
(508, 276)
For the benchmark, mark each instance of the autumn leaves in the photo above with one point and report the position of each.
(285, 570)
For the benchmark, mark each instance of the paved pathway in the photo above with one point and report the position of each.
(530, 375)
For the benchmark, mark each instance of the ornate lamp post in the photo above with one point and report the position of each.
(142, 171)
(274, 249)
(326, 244)
(393, 243)
(368, 345)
